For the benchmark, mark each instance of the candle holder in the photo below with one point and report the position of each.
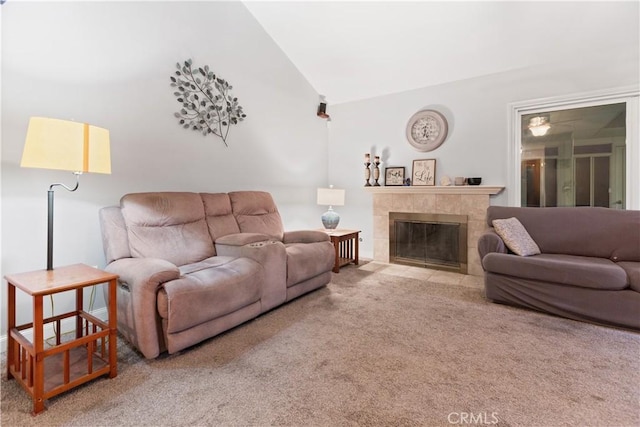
(367, 174)
(376, 171)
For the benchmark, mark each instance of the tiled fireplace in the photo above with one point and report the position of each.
(469, 201)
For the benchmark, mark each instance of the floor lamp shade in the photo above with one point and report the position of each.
(69, 146)
(66, 145)
(330, 197)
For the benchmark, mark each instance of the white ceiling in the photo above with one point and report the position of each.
(356, 50)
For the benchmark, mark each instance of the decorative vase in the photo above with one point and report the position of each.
(330, 219)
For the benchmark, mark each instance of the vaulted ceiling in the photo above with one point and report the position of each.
(362, 49)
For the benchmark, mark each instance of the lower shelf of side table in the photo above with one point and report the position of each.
(65, 365)
(78, 371)
(54, 372)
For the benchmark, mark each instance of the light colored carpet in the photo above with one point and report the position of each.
(381, 345)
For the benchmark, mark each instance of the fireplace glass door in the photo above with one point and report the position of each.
(428, 240)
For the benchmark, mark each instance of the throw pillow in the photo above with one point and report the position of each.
(515, 236)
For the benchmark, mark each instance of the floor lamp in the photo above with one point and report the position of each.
(65, 145)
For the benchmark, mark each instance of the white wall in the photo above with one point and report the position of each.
(477, 114)
(109, 64)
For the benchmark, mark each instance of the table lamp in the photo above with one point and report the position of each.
(65, 145)
(330, 197)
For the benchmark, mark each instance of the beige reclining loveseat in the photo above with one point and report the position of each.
(193, 265)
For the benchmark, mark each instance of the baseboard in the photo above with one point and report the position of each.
(67, 325)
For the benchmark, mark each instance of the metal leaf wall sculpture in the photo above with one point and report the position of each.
(207, 104)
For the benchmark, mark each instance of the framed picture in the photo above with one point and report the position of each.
(394, 176)
(424, 172)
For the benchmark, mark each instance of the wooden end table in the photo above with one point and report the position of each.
(345, 243)
(47, 372)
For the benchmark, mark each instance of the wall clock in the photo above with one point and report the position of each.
(427, 130)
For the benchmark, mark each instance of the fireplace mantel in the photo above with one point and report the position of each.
(438, 189)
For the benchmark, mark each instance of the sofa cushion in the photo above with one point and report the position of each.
(256, 212)
(515, 236)
(220, 219)
(307, 260)
(633, 273)
(209, 289)
(585, 272)
(169, 226)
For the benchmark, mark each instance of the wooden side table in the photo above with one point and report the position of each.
(345, 243)
(47, 372)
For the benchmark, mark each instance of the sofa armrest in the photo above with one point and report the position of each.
(305, 236)
(489, 242)
(270, 254)
(142, 277)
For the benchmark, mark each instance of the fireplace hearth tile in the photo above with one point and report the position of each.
(446, 278)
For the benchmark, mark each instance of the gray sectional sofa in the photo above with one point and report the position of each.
(193, 265)
(588, 268)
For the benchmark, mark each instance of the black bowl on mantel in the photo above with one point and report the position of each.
(474, 181)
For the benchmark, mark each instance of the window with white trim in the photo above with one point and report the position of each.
(576, 152)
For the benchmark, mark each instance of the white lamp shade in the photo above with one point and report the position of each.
(330, 196)
(66, 145)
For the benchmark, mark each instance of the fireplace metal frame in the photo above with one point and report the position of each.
(429, 218)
